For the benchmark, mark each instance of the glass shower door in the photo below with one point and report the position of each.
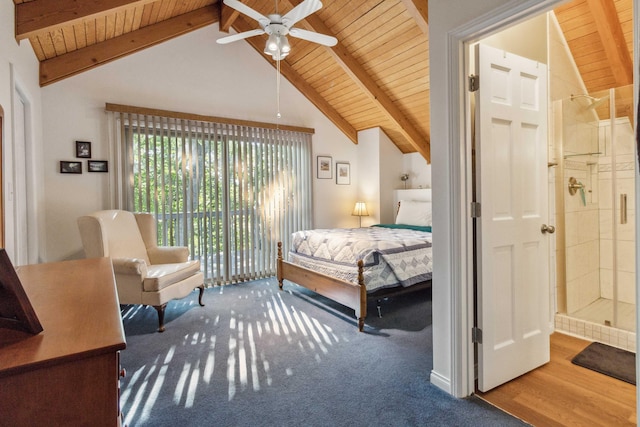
(621, 151)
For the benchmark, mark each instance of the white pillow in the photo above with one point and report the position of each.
(414, 212)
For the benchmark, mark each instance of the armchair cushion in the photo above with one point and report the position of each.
(160, 276)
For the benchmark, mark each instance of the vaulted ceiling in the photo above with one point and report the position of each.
(377, 74)
(600, 36)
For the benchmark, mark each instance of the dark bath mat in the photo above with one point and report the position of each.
(611, 361)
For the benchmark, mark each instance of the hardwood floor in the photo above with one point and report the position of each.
(563, 394)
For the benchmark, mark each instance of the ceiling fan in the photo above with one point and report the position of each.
(278, 26)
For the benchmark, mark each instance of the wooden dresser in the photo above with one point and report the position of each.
(69, 373)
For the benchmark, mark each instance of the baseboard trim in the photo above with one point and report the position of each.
(441, 382)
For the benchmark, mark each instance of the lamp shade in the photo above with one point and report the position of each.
(360, 209)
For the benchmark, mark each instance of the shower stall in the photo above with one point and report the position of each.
(593, 177)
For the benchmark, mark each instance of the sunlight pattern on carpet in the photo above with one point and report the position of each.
(251, 338)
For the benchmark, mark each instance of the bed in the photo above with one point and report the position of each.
(350, 266)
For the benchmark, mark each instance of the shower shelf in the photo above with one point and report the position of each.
(582, 154)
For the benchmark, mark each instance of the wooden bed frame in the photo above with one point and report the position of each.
(346, 293)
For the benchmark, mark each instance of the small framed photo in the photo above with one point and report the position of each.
(343, 173)
(324, 167)
(70, 167)
(97, 166)
(83, 149)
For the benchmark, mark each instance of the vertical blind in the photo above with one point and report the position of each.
(229, 192)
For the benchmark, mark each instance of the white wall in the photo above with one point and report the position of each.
(391, 167)
(527, 39)
(190, 74)
(380, 166)
(19, 68)
(418, 169)
(369, 174)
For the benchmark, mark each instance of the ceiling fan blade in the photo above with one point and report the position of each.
(246, 10)
(322, 39)
(240, 36)
(301, 11)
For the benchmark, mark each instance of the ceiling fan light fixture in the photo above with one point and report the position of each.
(277, 27)
(273, 43)
(277, 46)
(284, 44)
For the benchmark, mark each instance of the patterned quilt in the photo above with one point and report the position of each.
(392, 257)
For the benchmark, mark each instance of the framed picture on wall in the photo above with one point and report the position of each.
(83, 149)
(324, 167)
(70, 167)
(97, 166)
(343, 173)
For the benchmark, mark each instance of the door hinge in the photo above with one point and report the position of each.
(474, 83)
(476, 335)
(475, 210)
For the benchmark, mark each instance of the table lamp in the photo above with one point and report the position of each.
(360, 210)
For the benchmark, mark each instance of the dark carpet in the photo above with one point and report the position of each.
(611, 361)
(257, 356)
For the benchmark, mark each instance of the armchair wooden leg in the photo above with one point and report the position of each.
(201, 287)
(160, 310)
(279, 274)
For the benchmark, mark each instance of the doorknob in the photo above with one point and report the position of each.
(547, 229)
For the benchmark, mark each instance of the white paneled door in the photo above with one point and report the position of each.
(513, 231)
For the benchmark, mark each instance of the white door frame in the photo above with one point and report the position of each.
(26, 174)
(461, 261)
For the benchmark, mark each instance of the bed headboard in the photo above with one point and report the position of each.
(417, 206)
(418, 194)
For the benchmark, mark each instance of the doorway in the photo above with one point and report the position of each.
(19, 171)
(553, 174)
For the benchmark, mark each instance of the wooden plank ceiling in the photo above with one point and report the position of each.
(600, 36)
(377, 74)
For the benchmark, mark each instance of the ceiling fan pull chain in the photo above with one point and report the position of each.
(278, 115)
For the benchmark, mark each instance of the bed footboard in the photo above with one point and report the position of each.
(346, 293)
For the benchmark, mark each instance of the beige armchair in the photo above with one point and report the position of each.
(145, 273)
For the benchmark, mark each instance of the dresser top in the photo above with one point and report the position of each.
(77, 304)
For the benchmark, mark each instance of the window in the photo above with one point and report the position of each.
(229, 192)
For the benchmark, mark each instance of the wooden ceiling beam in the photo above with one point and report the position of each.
(40, 16)
(299, 83)
(419, 11)
(361, 77)
(72, 63)
(228, 16)
(612, 37)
